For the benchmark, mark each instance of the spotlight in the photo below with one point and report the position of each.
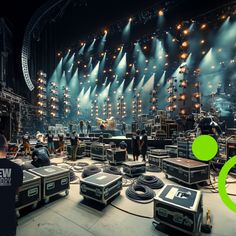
(145, 47)
(183, 56)
(105, 31)
(223, 17)
(160, 13)
(178, 26)
(203, 26)
(130, 19)
(185, 44)
(202, 41)
(186, 32)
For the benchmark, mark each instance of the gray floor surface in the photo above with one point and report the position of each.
(68, 216)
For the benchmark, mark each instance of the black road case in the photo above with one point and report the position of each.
(30, 191)
(186, 170)
(116, 156)
(180, 208)
(54, 180)
(134, 168)
(99, 151)
(101, 186)
(172, 150)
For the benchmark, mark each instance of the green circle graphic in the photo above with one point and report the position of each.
(222, 182)
(204, 147)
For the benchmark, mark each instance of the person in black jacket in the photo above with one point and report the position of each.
(143, 144)
(11, 178)
(136, 145)
(74, 141)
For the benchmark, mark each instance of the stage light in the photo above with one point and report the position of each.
(160, 13)
(223, 17)
(185, 44)
(183, 56)
(118, 49)
(173, 40)
(213, 67)
(203, 26)
(146, 61)
(114, 57)
(82, 44)
(197, 105)
(58, 54)
(219, 49)
(183, 97)
(146, 69)
(130, 19)
(183, 111)
(186, 32)
(203, 52)
(145, 47)
(202, 41)
(105, 31)
(130, 65)
(179, 27)
(85, 66)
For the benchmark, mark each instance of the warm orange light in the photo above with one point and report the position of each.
(160, 13)
(183, 56)
(203, 26)
(130, 19)
(178, 26)
(186, 32)
(197, 105)
(223, 17)
(105, 31)
(185, 44)
(145, 47)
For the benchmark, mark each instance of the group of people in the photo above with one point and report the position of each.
(139, 145)
(88, 126)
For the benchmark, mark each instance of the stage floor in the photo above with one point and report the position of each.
(69, 216)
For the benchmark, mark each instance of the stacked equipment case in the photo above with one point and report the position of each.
(99, 151)
(54, 180)
(134, 168)
(101, 187)
(116, 156)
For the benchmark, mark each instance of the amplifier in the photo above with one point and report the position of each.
(54, 180)
(81, 135)
(186, 170)
(156, 160)
(180, 208)
(134, 168)
(99, 151)
(80, 151)
(101, 186)
(183, 148)
(172, 150)
(116, 156)
(159, 152)
(29, 192)
(87, 147)
(91, 135)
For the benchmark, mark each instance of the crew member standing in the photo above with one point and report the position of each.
(74, 145)
(143, 144)
(136, 145)
(88, 127)
(123, 129)
(81, 125)
(51, 147)
(26, 143)
(11, 178)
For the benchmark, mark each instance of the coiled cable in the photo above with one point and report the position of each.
(90, 170)
(112, 170)
(151, 181)
(146, 195)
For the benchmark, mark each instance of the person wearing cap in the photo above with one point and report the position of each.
(11, 178)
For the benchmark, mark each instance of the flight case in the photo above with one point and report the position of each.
(134, 168)
(116, 156)
(180, 208)
(186, 170)
(29, 192)
(54, 180)
(101, 187)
